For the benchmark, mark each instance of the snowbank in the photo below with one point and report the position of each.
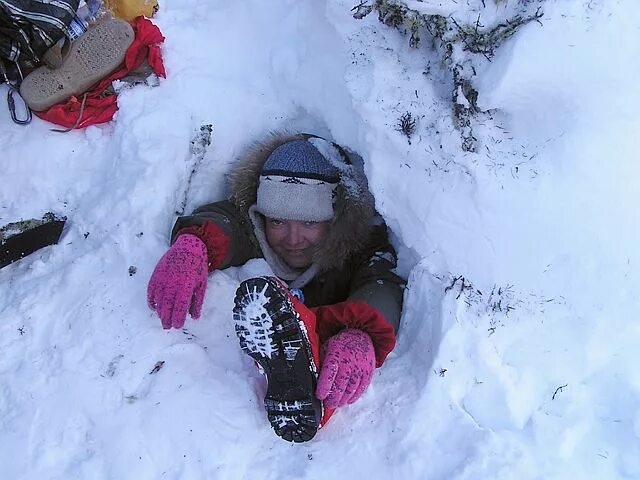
(519, 340)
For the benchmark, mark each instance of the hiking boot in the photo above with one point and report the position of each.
(274, 333)
(91, 58)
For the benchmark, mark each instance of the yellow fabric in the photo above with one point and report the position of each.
(130, 9)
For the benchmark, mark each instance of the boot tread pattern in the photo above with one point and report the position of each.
(269, 331)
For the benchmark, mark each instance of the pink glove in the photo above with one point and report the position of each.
(179, 281)
(347, 368)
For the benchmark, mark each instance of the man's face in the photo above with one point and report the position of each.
(295, 241)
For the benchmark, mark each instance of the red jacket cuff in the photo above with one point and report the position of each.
(214, 238)
(331, 319)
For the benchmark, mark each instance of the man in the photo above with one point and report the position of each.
(329, 317)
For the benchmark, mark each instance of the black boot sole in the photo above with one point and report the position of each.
(269, 330)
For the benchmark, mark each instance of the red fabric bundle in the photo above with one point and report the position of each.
(99, 108)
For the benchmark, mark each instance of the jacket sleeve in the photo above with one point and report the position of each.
(227, 235)
(375, 300)
(331, 319)
(373, 280)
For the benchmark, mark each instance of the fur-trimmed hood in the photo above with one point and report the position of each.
(354, 206)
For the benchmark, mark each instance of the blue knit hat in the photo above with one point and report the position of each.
(297, 182)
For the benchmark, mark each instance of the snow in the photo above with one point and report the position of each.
(253, 322)
(518, 350)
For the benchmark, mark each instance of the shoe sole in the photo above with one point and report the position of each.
(91, 58)
(270, 332)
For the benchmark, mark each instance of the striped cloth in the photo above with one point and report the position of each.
(28, 28)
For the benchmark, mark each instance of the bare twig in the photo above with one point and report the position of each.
(453, 283)
(406, 125)
(157, 367)
(559, 389)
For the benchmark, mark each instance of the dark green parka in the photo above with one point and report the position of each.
(356, 260)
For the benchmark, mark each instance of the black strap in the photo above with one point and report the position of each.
(46, 232)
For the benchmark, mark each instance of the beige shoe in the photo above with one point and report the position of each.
(90, 59)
